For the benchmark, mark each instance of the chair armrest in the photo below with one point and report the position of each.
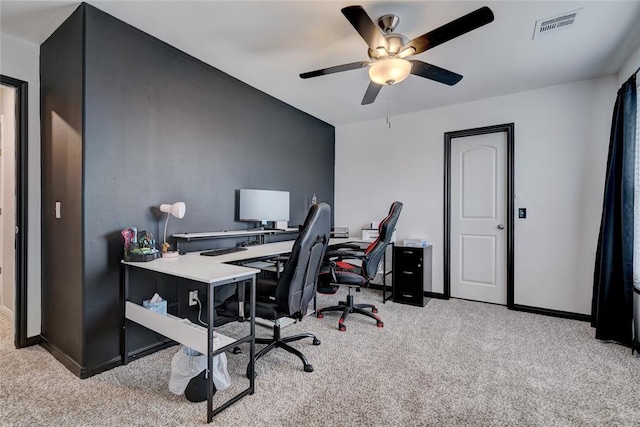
(345, 246)
(340, 254)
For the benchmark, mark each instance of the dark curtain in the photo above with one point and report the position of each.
(612, 304)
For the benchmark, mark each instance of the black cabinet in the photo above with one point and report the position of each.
(411, 274)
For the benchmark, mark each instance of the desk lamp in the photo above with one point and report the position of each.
(176, 209)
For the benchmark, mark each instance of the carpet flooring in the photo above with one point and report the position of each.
(451, 363)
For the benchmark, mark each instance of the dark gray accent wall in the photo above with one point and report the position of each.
(161, 126)
(62, 246)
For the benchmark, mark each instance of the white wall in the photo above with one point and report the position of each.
(630, 66)
(561, 145)
(21, 60)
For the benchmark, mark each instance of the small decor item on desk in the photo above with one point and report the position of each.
(166, 253)
(178, 210)
(139, 246)
(157, 304)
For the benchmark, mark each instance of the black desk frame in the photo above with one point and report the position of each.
(211, 411)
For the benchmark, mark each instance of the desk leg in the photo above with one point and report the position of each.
(210, 349)
(252, 343)
(384, 276)
(124, 350)
(385, 273)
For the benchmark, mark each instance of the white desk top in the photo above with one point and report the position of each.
(208, 269)
(260, 251)
(253, 251)
(198, 268)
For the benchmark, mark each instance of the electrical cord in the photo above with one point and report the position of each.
(200, 312)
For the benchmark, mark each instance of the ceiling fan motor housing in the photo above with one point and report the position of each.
(388, 23)
(395, 40)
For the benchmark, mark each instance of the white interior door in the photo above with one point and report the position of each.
(478, 218)
(1, 209)
(8, 198)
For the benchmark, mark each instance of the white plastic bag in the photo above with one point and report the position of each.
(188, 363)
(219, 373)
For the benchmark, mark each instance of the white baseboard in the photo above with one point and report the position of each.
(6, 312)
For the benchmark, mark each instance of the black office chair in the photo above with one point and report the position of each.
(337, 272)
(290, 294)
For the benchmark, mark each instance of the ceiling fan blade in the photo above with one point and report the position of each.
(371, 93)
(336, 69)
(365, 26)
(453, 29)
(432, 72)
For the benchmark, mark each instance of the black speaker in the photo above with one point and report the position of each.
(196, 390)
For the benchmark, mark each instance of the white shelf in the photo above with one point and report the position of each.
(175, 328)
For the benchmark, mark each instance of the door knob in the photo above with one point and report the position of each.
(500, 227)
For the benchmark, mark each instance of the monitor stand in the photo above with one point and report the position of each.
(268, 226)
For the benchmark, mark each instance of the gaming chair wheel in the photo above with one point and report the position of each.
(308, 368)
(380, 324)
(316, 341)
(374, 310)
(237, 350)
(342, 328)
(319, 315)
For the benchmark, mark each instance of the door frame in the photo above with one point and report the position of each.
(449, 137)
(21, 170)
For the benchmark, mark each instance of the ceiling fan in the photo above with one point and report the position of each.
(388, 50)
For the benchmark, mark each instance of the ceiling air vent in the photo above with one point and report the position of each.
(555, 23)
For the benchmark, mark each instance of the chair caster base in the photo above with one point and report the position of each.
(319, 315)
(316, 341)
(342, 328)
(308, 368)
(380, 324)
(374, 310)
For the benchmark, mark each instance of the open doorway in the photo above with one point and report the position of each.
(13, 204)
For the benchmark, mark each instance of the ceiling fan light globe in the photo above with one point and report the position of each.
(389, 71)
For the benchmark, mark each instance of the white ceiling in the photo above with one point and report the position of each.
(267, 44)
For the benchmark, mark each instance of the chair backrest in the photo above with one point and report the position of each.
(375, 251)
(297, 284)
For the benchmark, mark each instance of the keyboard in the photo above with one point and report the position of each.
(223, 251)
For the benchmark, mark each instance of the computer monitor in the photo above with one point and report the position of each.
(263, 206)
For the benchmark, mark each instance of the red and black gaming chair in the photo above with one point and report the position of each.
(337, 271)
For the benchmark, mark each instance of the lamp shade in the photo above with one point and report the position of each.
(389, 71)
(176, 209)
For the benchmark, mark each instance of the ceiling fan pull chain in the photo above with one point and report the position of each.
(388, 109)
